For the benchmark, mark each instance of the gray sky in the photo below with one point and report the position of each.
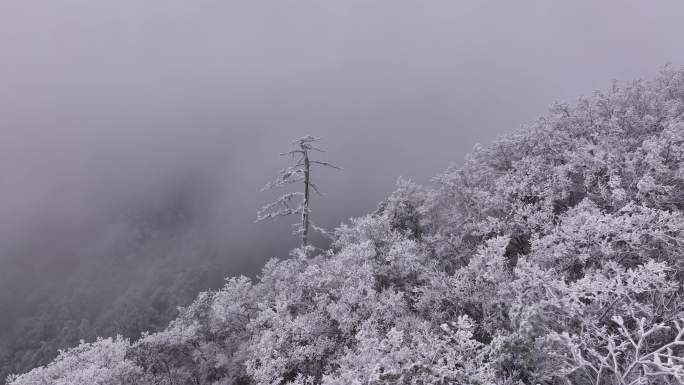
(111, 106)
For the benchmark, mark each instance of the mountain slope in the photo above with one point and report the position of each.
(552, 256)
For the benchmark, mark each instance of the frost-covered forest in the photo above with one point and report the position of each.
(552, 256)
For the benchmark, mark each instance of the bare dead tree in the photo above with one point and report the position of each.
(299, 172)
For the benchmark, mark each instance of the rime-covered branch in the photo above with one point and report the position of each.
(629, 357)
(280, 207)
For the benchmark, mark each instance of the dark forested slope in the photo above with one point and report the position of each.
(552, 256)
(127, 277)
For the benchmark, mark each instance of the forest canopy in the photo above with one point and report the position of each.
(551, 256)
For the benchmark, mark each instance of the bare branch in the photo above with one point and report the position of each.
(292, 152)
(287, 176)
(315, 188)
(326, 164)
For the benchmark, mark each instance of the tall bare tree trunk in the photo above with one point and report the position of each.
(305, 212)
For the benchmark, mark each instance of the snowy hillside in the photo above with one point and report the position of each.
(553, 256)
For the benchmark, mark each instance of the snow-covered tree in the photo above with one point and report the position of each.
(296, 202)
